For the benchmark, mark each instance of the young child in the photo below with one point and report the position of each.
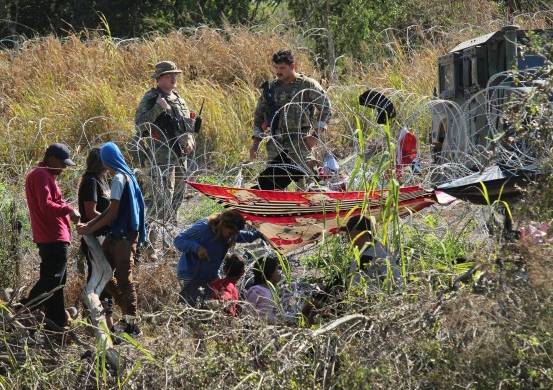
(266, 271)
(225, 289)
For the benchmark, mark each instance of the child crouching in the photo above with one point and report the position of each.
(266, 273)
(224, 289)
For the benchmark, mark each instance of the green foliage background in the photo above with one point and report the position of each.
(336, 26)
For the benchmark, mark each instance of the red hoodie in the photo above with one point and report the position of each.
(225, 290)
(48, 211)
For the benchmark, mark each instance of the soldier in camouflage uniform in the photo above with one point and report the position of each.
(291, 112)
(166, 129)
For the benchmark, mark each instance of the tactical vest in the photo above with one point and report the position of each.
(296, 111)
(171, 122)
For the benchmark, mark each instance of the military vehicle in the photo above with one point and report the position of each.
(475, 80)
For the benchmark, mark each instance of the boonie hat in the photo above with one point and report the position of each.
(165, 67)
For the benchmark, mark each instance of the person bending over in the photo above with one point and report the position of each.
(204, 245)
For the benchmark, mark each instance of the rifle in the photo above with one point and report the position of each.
(273, 114)
(198, 121)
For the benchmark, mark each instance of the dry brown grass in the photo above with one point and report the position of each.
(52, 88)
(414, 339)
(84, 89)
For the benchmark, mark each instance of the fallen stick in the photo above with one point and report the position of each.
(338, 322)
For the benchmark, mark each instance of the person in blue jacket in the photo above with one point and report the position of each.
(204, 246)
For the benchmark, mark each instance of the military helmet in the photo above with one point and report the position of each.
(165, 67)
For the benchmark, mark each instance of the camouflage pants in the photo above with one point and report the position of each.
(164, 185)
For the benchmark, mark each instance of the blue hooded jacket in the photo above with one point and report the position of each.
(113, 158)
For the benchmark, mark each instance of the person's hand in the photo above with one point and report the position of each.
(75, 216)
(313, 164)
(163, 103)
(310, 141)
(82, 228)
(202, 253)
(253, 151)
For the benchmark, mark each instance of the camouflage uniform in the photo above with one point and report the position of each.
(164, 161)
(302, 106)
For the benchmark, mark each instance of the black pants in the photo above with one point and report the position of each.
(278, 178)
(53, 268)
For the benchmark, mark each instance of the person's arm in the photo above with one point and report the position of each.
(41, 187)
(323, 108)
(105, 219)
(188, 143)
(318, 97)
(248, 236)
(90, 211)
(146, 112)
(188, 240)
(186, 137)
(188, 122)
(110, 214)
(258, 119)
(88, 194)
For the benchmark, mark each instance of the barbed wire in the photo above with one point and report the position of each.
(471, 140)
(462, 157)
